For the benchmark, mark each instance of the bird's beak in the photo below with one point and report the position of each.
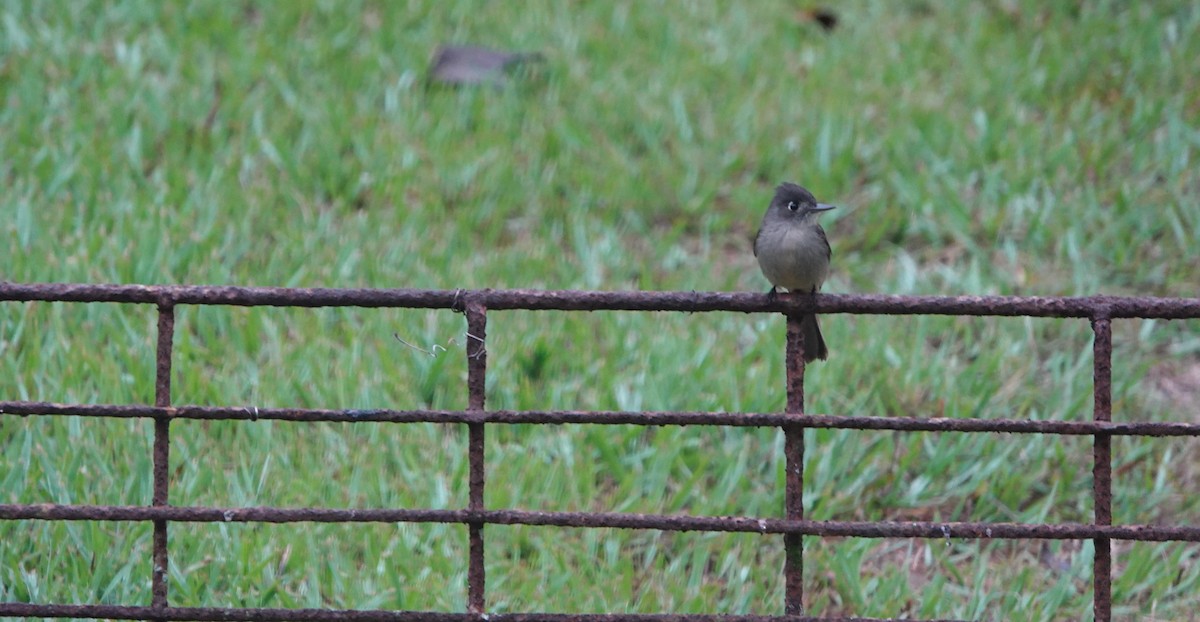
(823, 207)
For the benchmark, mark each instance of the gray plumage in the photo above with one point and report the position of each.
(794, 254)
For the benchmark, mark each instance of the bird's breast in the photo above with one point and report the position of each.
(793, 258)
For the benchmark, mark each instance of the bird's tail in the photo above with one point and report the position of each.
(814, 343)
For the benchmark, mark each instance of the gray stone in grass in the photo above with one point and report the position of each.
(467, 64)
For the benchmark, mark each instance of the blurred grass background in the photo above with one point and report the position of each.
(994, 147)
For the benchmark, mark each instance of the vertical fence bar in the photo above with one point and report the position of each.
(476, 384)
(162, 448)
(793, 451)
(1102, 465)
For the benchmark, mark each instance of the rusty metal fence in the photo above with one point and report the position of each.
(475, 304)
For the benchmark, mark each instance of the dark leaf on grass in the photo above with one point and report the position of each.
(825, 18)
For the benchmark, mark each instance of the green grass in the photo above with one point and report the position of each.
(999, 147)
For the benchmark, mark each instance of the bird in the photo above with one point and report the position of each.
(794, 254)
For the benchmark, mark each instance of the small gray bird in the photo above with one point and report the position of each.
(794, 254)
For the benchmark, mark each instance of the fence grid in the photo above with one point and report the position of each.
(475, 304)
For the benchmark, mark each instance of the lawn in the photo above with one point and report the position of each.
(994, 147)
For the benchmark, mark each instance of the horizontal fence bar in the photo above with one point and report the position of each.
(733, 524)
(561, 417)
(212, 614)
(571, 300)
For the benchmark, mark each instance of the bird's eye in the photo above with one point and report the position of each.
(792, 205)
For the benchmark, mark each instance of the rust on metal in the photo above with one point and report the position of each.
(475, 304)
(569, 300)
(162, 449)
(213, 614)
(476, 351)
(615, 417)
(793, 451)
(660, 522)
(1102, 465)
